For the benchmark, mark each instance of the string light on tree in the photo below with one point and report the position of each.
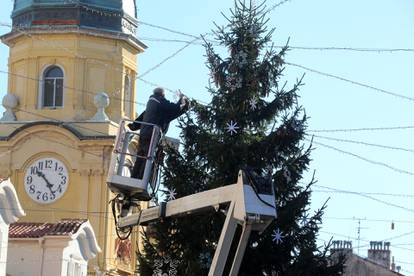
(241, 59)
(205, 259)
(298, 127)
(287, 175)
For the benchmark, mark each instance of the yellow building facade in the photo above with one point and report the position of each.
(71, 79)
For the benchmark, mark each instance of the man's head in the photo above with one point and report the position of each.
(159, 91)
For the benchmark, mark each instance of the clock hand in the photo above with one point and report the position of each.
(48, 184)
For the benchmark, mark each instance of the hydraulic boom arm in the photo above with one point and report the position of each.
(246, 207)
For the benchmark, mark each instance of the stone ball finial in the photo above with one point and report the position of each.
(10, 102)
(101, 101)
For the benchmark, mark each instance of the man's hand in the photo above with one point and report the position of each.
(185, 103)
(179, 94)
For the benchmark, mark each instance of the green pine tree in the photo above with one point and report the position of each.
(269, 127)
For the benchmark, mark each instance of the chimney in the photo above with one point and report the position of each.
(344, 247)
(398, 268)
(380, 253)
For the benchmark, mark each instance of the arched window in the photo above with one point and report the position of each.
(127, 95)
(53, 87)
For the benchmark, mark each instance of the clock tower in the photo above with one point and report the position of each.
(72, 70)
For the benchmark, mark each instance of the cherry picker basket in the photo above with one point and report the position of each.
(123, 158)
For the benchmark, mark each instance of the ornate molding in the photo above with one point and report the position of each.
(88, 244)
(10, 210)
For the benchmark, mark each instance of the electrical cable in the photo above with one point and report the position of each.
(373, 162)
(378, 200)
(128, 232)
(365, 193)
(166, 59)
(362, 129)
(363, 143)
(352, 82)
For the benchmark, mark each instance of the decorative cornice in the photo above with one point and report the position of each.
(88, 244)
(10, 208)
(59, 124)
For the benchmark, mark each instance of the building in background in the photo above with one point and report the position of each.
(60, 249)
(72, 70)
(377, 263)
(10, 212)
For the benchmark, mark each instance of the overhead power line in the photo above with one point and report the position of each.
(373, 162)
(364, 143)
(362, 129)
(166, 29)
(369, 220)
(292, 47)
(376, 199)
(167, 58)
(334, 190)
(352, 82)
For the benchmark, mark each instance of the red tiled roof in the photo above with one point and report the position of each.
(64, 227)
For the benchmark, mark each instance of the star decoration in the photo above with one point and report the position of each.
(277, 236)
(170, 193)
(169, 263)
(232, 127)
(253, 104)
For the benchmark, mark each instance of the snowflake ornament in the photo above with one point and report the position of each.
(277, 236)
(205, 260)
(304, 220)
(253, 104)
(171, 193)
(232, 127)
(165, 263)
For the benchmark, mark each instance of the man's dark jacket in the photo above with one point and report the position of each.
(158, 111)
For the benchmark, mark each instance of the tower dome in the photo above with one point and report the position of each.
(107, 15)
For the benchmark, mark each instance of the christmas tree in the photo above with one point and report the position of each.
(251, 122)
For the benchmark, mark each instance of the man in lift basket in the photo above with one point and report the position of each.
(161, 112)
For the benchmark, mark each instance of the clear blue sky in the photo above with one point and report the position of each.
(330, 103)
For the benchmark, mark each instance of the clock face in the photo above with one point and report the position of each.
(46, 180)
